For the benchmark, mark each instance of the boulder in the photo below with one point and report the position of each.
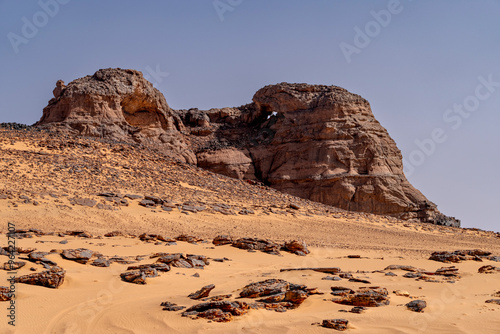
(51, 278)
(416, 305)
(338, 324)
(203, 292)
(367, 297)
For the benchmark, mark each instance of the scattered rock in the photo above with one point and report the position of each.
(203, 292)
(138, 276)
(51, 278)
(180, 261)
(402, 267)
(10, 266)
(359, 280)
(367, 297)
(265, 246)
(80, 255)
(338, 324)
(222, 240)
(416, 305)
(493, 301)
(5, 294)
(167, 306)
(459, 255)
(488, 269)
(296, 247)
(329, 270)
(341, 291)
(401, 293)
(221, 311)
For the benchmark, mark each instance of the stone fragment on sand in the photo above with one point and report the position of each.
(296, 247)
(39, 257)
(341, 291)
(459, 255)
(172, 307)
(221, 311)
(188, 238)
(158, 266)
(138, 276)
(401, 293)
(180, 261)
(51, 278)
(9, 266)
(265, 246)
(147, 203)
(114, 234)
(337, 324)
(5, 294)
(101, 262)
(367, 297)
(217, 298)
(81, 234)
(80, 255)
(402, 267)
(154, 237)
(493, 301)
(359, 280)
(264, 288)
(203, 292)
(488, 269)
(222, 240)
(277, 294)
(328, 270)
(416, 305)
(83, 201)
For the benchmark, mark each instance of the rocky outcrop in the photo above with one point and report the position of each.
(117, 105)
(312, 141)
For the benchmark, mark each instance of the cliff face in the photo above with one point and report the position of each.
(317, 142)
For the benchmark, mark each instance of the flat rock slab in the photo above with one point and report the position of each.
(338, 324)
(51, 278)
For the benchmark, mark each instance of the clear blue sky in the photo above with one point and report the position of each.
(415, 66)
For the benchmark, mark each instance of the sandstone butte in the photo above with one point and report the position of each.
(317, 142)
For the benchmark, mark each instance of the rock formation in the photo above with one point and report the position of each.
(117, 105)
(316, 142)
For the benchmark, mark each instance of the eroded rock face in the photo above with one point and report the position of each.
(316, 142)
(119, 105)
(312, 141)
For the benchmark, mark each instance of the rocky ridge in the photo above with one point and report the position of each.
(312, 141)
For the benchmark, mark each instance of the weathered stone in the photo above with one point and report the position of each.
(459, 255)
(80, 255)
(221, 311)
(222, 240)
(493, 301)
(297, 247)
(203, 292)
(167, 306)
(338, 324)
(5, 294)
(138, 276)
(367, 297)
(341, 291)
(488, 269)
(119, 105)
(51, 278)
(9, 266)
(265, 246)
(416, 305)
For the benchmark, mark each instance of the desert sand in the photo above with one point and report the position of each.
(95, 299)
